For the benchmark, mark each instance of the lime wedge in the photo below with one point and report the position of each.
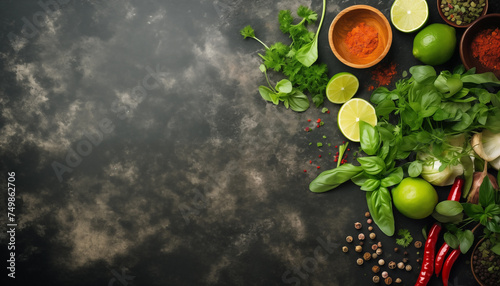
(351, 113)
(342, 87)
(409, 15)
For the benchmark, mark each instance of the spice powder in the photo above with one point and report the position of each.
(362, 40)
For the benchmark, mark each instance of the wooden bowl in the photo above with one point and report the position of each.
(454, 24)
(349, 18)
(488, 21)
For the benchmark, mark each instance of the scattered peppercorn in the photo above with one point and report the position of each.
(408, 267)
(396, 249)
(405, 253)
(388, 281)
(379, 244)
(370, 228)
(349, 239)
(367, 214)
(358, 225)
(418, 244)
(418, 260)
(345, 249)
(359, 261)
(381, 262)
(373, 235)
(392, 265)
(376, 279)
(358, 248)
(385, 274)
(375, 268)
(379, 251)
(374, 255)
(398, 280)
(374, 247)
(401, 265)
(405, 260)
(367, 256)
(369, 221)
(361, 236)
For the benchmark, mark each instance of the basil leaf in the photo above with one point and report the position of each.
(385, 108)
(370, 185)
(284, 86)
(466, 239)
(451, 240)
(496, 248)
(265, 92)
(423, 74)
(415, 169)
(333, 178)
(380, 206)
(448, 219)
(494, 224)
(384, 151)
(369, 138)
(379, 94)
(298, 101)
(393, 178)
(361, 178)
(472, 210)
(486, 193)
(449, 208)
(487, 77)
(372, 165)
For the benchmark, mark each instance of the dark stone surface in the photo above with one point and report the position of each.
(191, 179)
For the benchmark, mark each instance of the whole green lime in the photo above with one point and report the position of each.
(435, 44)
(415, 198)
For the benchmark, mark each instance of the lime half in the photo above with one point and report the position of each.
(351, 113)
(409, 15)
(342, 87)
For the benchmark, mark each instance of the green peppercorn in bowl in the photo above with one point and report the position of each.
(461, 13)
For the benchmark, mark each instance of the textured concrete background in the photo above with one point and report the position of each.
(144, 155)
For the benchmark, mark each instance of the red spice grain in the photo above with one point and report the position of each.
(382, 75)
(485, 47)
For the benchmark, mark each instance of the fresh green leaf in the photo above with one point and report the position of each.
(415, 168)
(404, 237)
(361, 178)
(449, 208)
(423, 74)
(380, 206)
(379, 95)
(285, 19)
(342, 149)
(306, 13)
(298, 101)
(308, 53)
(266, 92)
(372, 165)
(468, 165)
(247, 32)
(487, 77)
(370, 139)
(284, 86)
(486, 193)
(333, 178)
(496, 248)
(451, 240)
(466, 239)
(370, 185)
(393, 178)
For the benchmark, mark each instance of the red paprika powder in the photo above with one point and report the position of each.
(486, 48)
(362, 40)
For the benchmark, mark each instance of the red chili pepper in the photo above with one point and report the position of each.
(440, 258)
(448, 264)
(428, 261)
(454, 195)
(456, 189)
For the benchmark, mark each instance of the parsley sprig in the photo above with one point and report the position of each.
(297, 60)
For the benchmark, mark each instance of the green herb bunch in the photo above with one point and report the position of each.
(295, 61)
(458, 216)
(417, 116)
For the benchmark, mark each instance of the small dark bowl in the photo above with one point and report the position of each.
(485, 22)
(454, 24)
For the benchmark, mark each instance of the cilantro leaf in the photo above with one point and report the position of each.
(309, 15)
(405, 237)
(248, 32)
(285, 19)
